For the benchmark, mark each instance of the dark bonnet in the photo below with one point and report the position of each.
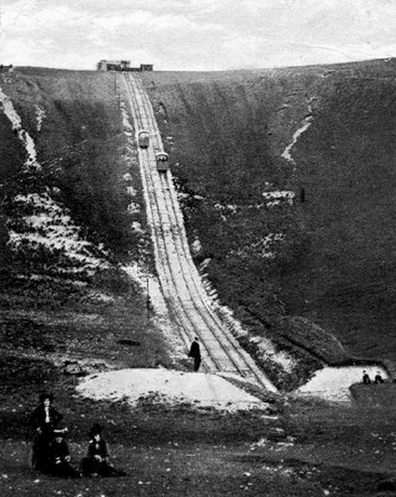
(46, 395)
(96, 429)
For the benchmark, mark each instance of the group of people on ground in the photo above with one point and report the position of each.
(50, 450)
(377, 379)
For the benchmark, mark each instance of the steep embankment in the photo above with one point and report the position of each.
(72, 207)
(285, 179)
(75, 122)
(318, 143)
(346, 280)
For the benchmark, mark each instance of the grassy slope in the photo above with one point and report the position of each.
(336, 269)
(226, 132)
(165, 451)
(80, 148)
(346, 160)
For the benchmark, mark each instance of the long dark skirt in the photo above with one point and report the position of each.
(64, 469)
(41, 451)
(90, 466)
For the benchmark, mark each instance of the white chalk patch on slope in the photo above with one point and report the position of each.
(24, 137)
(277, 197)
(287, 152)
(267, 351)
(149, 284)
(128, 129)
(52, 227)
(265, 247)
(133, 207)
(333, 383)
(168, 387)
(40, 114)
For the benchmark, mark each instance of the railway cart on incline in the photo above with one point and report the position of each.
(162, 161)
(143, 138)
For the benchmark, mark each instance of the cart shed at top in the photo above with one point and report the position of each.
(162, 161)
(143, 138)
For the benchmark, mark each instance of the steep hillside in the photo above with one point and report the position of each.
(286, 179)
(72, 217)
(346, 162)
(286, 183)
(75, 122)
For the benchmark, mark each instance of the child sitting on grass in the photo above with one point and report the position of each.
(96, 462)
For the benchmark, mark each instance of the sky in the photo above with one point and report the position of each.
(195, 35)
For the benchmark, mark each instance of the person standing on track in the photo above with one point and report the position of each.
(195, 353)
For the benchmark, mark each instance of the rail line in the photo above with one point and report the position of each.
(180, 281)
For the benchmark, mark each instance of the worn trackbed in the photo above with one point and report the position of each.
(180, 280)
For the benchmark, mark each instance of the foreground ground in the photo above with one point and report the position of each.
(308, 449)
(53, 337)
(294, 448)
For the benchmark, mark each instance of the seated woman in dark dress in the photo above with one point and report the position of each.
(60, 459)
(96, 462)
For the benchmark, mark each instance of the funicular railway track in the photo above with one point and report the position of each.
(179, 277)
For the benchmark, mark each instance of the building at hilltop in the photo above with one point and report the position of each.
(122, 65)
(9, 69)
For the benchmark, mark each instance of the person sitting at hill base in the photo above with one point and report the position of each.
(366, 378)
(195, 353)
(60, 460)
(96, 462)
(378, 378)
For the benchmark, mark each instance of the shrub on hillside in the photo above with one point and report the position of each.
(311, 337)
(115, 281)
